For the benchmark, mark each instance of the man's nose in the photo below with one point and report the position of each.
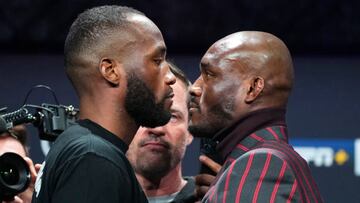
(158, 131)
(195, 89)
(170, 78)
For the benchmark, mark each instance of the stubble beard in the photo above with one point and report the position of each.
(217, 119)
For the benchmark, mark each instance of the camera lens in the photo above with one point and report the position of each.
(14, 175)
(9, 174)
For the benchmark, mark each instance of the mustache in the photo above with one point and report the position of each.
(169, 93)
(194, 103)
(154, 139)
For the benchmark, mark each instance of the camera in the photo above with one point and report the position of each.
(50, 120)
(14, 175)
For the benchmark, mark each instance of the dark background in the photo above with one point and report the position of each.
(323, 36)
(189, 27)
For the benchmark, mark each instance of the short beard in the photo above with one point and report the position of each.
(154, 165)
(141, 105)
(154, 171)
(216, 120)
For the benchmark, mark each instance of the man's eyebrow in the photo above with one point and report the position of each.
(160, 50)
(176, 111)
(204, 65)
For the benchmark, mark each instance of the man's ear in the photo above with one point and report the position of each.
(110, 71)
(255, 88)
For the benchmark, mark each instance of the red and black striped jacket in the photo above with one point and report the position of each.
(263, 167)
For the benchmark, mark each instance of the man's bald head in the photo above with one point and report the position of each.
(262, 57)
(241, 73)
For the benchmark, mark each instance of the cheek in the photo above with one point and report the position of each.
(131, 151)
(178, 135)
(213, 94)
(140, 134)
(157, 77)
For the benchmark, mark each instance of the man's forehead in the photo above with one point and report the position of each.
(220, 50)
(180, 91)
(179, 99)
(229, 43)
(234, 52)
(216, 56)
(10, 144)
(237, 42)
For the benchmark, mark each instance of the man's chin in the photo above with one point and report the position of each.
(154, 164)
(201, 131)
(196, 128)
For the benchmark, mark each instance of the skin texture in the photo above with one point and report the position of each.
(138, 53)
(10, 144)
(241, 73)
(156, 153)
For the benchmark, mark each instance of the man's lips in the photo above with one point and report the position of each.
(169, 100)
(193, 106)
(170, 96)
(155, 146)
(154, 143)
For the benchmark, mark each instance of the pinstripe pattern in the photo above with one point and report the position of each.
(278, 181)
(264, 168)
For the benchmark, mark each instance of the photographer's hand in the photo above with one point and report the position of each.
(25, 197)
(27, 194)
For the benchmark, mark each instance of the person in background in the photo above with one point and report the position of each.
(156, 153)
(239, 101)
(115, 58)
(14, 141)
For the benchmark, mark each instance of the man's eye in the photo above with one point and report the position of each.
(209, 74)
(173, 118)
(158, 61)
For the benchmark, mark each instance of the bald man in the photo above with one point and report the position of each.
(239, 101)
(115, 58)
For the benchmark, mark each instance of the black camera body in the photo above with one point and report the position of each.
(51, 120)
(52, 123)
(14, 176)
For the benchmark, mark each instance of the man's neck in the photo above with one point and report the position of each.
(229, 137)
(117, 121)
(169, 184)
